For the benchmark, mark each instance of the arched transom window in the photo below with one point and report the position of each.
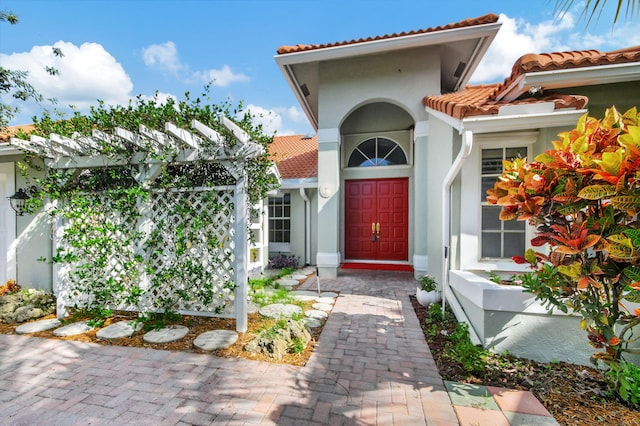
(377, 152)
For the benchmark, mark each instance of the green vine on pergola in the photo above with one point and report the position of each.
(140, 197)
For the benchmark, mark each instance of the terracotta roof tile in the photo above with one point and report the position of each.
(481, 99)
(296, 156)
(7, 133)
(470, 22)
(535, 62)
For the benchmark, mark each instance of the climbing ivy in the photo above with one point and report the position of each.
(113, 239)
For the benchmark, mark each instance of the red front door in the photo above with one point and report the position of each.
(377, 219)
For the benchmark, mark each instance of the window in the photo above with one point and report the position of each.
(280, 219)
(377, 152)
(500, 239)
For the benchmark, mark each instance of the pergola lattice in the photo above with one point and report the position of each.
(151, 151)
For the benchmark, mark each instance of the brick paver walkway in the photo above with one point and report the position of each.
(371, 366)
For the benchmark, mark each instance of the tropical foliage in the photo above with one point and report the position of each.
(583, 197)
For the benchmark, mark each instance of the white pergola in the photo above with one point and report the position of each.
(151, 151)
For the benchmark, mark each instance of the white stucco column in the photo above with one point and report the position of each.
(328, 257)
(420, 203)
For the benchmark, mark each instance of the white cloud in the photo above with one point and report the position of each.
(516, 38)
(162, 56)
(86, 73)
(221, 78)
(283, 121)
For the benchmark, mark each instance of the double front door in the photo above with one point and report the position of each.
(377, 219)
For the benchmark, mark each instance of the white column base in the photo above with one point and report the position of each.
(420, 265)
(328, 264)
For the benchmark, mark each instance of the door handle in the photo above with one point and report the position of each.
(378, 228)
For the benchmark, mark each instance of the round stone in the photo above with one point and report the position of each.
(328, 294)
(73, 329)
(287, 283)
(167, 334)
(36, 326)
(279, 310)
(119, 330)
(215, 339)
(296, 277)
(328, 300)
(252, 307)
(322, 306)
(303, 295)
(307, 271)
(312, 323)
(316, 314)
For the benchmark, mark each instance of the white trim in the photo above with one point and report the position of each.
(7, 224)
(329, 135)
(279, 247)
(421, 129)
(328, 260)
(309, 183)
(389, 44)
(573, 77)
(7, 149)
(505, 123)
(471, 199)
(420, 262)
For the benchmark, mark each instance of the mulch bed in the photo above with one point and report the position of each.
(573, 394)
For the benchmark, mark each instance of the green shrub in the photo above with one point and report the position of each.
(624, 379)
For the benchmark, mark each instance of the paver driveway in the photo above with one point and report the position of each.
(371, 366)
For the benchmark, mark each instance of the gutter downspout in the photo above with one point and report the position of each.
(463, 154)
(307, 228)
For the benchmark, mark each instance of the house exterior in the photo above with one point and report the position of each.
(396, 175)
(407, 151)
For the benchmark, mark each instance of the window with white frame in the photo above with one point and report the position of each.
(376, 152)
(499, 239)
(280, 220)
(485, 241)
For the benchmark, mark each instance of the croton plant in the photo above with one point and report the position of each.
(583, 197)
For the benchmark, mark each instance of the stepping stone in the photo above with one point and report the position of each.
(312, 322)
(316, 314)
(73, 329)
(303, 295)
(322, 306)
(279, 310)
(328, 300)
(166, 335)
(252, 307)
(287, 283)
(215, 339)
(296, 277)
(36, 326)
(328, 294)
(119, 330)
(307, 271)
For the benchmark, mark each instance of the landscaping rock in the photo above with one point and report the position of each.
(119, 330)
(276, 345)
(287, 282)
(322, 306)
(280, 310)
(26, 305)
(73, 329)
(37, 326)
(327, 300)
(303, 295)
(328, 294)
(312, 322)
(166, 335)
(215, 339)
(314, 313)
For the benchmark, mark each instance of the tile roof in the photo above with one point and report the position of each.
(6, 134)
(470, 22)
(296, 156)
(482, 99)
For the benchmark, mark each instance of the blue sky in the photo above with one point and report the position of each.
(117, 49)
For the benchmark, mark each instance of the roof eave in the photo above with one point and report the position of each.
(497, 123)
(389, 44)
(505, 123)
(7, 149)
(289, 75)
(558, 79)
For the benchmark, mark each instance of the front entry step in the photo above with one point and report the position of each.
(374, 266)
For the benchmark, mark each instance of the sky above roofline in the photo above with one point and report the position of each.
(115, 50)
